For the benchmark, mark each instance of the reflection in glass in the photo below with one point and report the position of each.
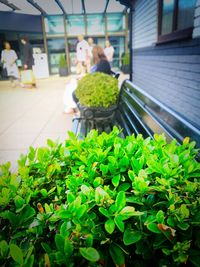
(95, 24)
(118, 44)
(54, 25)
(115, 22)
(75, 25)
(56, 48)
(167, 16)
(185, 13)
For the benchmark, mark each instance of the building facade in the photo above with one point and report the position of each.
(56, 35)
(166, 53)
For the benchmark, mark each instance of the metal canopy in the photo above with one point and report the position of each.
(56, 7)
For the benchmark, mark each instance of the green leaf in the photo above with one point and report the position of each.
(90, 254)
(46, 247)
(60, 242)
(119, 222)
(131, 175)
(160, 216)
(116, 180)
(120, 202)
(104, 212)
(117, 254)
(19, 202)
(153, 227)
(68, 248)
(110, 226)
(131, 236)
(4, 248)
(16, 253)
(89, 240)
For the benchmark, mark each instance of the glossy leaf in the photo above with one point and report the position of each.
(90, 254)
(131, 236)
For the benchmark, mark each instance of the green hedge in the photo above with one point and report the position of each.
(97, 90)
(102, 201)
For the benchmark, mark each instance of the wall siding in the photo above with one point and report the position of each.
(196, 32)
(144, 23)
(169, 72)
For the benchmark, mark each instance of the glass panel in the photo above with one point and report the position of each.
(75, 24)
(95, 24)
(185, 14)
(72, 42)
(167, 16)
(56, 48)
(115, 22)
(118, 44)
(54, 25)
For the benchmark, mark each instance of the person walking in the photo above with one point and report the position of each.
(9, 58)
(82, 55)
(109, 51)
(27, 58)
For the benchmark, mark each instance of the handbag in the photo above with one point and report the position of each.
(27, 77)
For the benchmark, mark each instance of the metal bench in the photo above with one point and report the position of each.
(138, 112)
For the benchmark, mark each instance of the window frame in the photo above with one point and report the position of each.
(175, 35)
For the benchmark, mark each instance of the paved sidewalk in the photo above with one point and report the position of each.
(28, 117)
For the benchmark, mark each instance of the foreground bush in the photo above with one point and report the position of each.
(102, 201)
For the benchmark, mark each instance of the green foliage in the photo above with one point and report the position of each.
(102, 201)
(62, 62)
(126, 59)
(97, 90)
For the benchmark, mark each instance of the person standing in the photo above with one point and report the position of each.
(82, 55)
(8, 58)
(27, 56)
(89, 60)
(109, 51)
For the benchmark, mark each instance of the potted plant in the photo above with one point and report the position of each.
(125, 63)
(63, 66)
(102, 201)
(97, 94)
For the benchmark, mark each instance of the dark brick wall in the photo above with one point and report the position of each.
(169, 72)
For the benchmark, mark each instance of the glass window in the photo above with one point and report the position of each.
(75, 24)
(54, 25)
(175, 19)
(95, 24)
(167, 16)
(185, 14)
(56, 48)
(115, 22)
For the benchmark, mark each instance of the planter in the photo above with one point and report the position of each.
(97, 114)
(63, 72)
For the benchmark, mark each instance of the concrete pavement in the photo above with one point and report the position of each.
(28, 117)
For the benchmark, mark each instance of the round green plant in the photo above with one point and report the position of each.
(97, 90)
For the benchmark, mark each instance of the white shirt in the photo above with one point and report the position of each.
(8, 57)
(82, 50)
(109, 52)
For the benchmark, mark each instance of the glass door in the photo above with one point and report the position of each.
(119, 46)
(56, 48)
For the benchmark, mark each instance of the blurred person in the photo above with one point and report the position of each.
(101, 64)
(27, 56)
(100, 61)
(82, 55)
(89, 59)
(109, 51)
(9, 58)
